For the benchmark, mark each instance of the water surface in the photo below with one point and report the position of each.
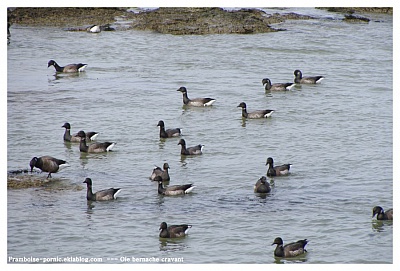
(337, 135)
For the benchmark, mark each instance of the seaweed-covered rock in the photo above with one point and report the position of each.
(64, 17)
(171, 20)
(355, 19)
(183, 21)
(387, 10)
(19, 179)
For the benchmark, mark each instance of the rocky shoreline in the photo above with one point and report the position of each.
(168, 20)
(386, 10)
(183, 21)
(177, 21)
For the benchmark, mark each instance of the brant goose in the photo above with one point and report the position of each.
(290, 250)
(69, 68)
(299, 79)
(94, 29)
(262, 186)
(75, 138)
(169, 132)
(48, 164)
(191, 150)
(276, 170)
(258, 114)
(276, 86)
(381, 215)
(157, 171)
(94, 147)
(195, 101)
(174, 189)
(173, 231)
(8, 33)
(106, 194)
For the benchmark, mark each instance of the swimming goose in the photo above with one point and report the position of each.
(94, 147)
(69, 68)
(174, 189)
(276, 86)
(157, 171)
(258, 114)
(75, 138)
(173, 231)
(169, 132)
(299, 79)
(195, 101)
(48, 164)
(276, 170)
(8, 33)
(290, 250)
(106, 194)
(381, 215)
(262, 186)
(195, 150)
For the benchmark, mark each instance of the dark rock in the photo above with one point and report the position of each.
(387, 10)
(355, 19)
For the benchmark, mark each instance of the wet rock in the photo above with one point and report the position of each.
(199, 21)
(17, 171)
(350, 18)
(177, 21)
(64, 17)
(17, 179)
(387, 10)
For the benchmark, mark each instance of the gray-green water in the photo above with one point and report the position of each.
(337, 135)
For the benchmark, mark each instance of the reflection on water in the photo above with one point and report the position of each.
(89, 209)
(173, 244)
(298, 259)
(381, 225)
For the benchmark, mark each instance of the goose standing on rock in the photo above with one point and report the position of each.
(173, 231)
(169, 132)
(94, 29)
(381, 215)
(75, 138)
(276, 170)
(290, 250)
(68, 68)
(157, 171)
(195, 101)
(48, 164)
(94, 147)
(299, 79)
(262, 186)
(106, 194)
(258, 114)
(277, 86)
(174, 189)
(195, 150)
